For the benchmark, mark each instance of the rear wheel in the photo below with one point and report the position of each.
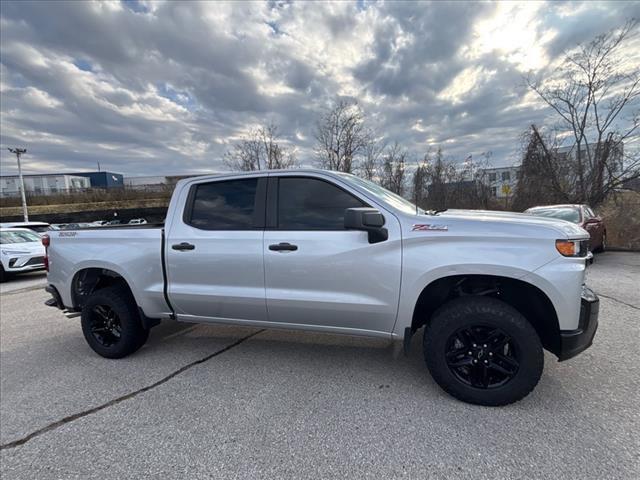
(483, 351)
(111, 323)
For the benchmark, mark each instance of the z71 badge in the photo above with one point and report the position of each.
(423, 227)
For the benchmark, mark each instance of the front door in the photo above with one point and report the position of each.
(214, 254)
(319, 274)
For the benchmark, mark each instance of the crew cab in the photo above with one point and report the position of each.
(330, 252)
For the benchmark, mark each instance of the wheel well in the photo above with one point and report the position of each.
(528, 299)
(87, 281)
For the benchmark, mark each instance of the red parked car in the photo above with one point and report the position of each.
(583, 215)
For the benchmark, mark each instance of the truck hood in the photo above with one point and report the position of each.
(571, 230)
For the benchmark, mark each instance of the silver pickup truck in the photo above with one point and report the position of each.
(330, 252)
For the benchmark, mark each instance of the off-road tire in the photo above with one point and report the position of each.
(464, 313)
(132, 334)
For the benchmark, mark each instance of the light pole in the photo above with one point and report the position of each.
(18, 152)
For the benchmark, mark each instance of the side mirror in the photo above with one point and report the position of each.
(368, 219)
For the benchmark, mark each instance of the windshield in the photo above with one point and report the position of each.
(18, 237)
(383, 194)
(564, 213)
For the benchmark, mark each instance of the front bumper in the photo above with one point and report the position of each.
(573, 342)
(23, 263)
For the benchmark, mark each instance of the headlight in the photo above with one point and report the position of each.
(572, 248)
(14, 252)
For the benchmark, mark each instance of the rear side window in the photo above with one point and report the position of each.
(312, 204)
(229, 205)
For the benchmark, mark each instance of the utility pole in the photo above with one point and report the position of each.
(18, 152)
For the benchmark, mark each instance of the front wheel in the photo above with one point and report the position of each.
(111, 323)
(483, 351)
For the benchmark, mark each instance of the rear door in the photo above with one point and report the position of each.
(215, 269)
(319, 274)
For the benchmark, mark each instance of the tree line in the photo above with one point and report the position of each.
(579, 157)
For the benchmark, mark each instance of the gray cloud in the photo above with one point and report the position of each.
(164, 87)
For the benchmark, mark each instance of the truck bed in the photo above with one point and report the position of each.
(135, 252)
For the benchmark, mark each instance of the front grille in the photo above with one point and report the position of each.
(35, 261)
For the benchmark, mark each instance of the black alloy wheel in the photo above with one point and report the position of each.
(482, 356)
(105, 325)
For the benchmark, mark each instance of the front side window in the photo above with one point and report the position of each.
(228, 205)
(312, 204)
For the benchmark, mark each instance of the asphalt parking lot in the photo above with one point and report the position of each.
(276, 404)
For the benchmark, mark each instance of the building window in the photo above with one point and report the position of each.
(492, 177)
(506, 176)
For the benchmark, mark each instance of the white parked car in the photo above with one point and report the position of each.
(21, 250)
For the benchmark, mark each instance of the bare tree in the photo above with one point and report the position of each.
(419, 182)
(341, 137)
(440, 183)
(436, 176)
(543, 174)
(260, 150)
(593, 89)
(392, 173)
(369, 167)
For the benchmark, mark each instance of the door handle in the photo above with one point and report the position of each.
(183, 246)
(283, 247)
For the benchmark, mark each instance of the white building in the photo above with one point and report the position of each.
(501, 180)
(45, 184)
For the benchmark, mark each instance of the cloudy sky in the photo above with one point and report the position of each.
(148, 88)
